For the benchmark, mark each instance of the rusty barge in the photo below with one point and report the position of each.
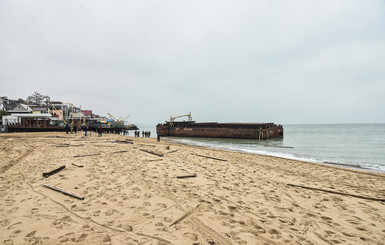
(260, 131)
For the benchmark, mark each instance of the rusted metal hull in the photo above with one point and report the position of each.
(221, 130)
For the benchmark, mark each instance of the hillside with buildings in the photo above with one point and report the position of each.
(40, 113)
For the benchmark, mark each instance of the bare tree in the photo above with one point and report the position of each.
(37, 99)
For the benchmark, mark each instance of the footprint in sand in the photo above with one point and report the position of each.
(167, 219)
(58, 223)
(70, 237)
(12, 210)
(327, 219)
(81, 237)
(161, 205)
(147, 195)
(191, 236)
(31, 238)
(14, 225)
(159, 224)
(9, 202)
(34, 210)
(259, 229)
(127, 227)
(347, 234)
(96, 213)
(146, 204)
(86, 226)
(275, 233)
(5, 222)
(110, 212)
(361, 229)
(8, 242)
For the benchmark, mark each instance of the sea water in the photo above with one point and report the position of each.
(348, 145)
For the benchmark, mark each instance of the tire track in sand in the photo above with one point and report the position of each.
(210, 232)
(13, 162)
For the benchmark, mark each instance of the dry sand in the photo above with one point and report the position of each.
(134, 197)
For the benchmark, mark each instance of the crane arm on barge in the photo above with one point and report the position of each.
(172, 119)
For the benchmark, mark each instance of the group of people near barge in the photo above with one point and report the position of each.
(85, 128)
(71, 128)
(146, 134)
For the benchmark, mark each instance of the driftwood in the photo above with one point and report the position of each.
(172, 151)
(339, 193)
(64, 191)
(68, 145)
(47, 174)
(79, 166)
(154, 160)
(124, 141)
(146, 145)
(62, 145)
(152, 152)
(185, 215)
(96, 154)
(119, 152)
(186, 176)
(64, 137)
(223, 160)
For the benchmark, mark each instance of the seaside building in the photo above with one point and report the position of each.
(40, 110)
(19, 115)
(21, 108)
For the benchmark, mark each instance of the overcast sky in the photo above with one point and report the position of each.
(227, 61)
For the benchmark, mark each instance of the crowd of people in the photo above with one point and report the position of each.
(73, 129)
(146, 134)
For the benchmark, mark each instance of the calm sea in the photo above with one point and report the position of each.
(350, 145)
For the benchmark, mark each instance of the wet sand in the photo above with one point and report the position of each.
(144, 192)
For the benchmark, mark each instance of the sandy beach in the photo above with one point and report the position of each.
(139, 191)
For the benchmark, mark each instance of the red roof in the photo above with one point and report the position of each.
(87, 112)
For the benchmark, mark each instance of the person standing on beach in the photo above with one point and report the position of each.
(85, 129)
(158, 137)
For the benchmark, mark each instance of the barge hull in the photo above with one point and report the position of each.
(221, 130)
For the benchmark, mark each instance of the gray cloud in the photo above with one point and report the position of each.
(281, 61)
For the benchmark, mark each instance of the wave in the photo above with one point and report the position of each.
(245, 147)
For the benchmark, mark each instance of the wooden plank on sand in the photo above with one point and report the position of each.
(186, 176)
(152, 152)
(47, 174)
(119, 152)
(172, 151)
(223, 160)
(89, 155)
(338, 193)
(71, 194)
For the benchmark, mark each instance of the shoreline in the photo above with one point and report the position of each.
(322, 163)
(137, 190)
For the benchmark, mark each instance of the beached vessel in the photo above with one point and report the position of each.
(219, 130)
